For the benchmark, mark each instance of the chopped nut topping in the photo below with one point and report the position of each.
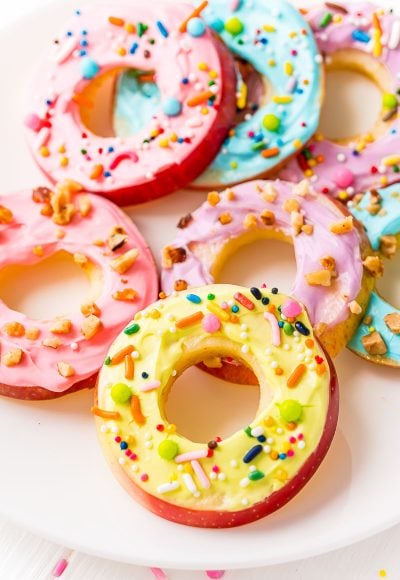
(6, 215)
(60, 234)
(392, 321)
(297, 222)
(307, 229)
(90, 308)
(185, 221)
(268, 192)
(41, 195)
(213, 198)
(84, 205)
(374, 265)
(52, 342)
(214, 362)
(91, 326)
(302, 188)
(171, 256)
(38, 251)
(319, 278)
(250, 221)
(291, 204)
(65, 369)
(126, 295)
(373, 209)
(32, 333)
(388, 246)
(374, 343)
(122, 263)
(225, 218)
(267, 217)
(230, 194)
(117, 239)
(342, 227)
(354, 307)
(329, 263)
(61, 327)
(46, 210)
(367, 320)
(12, 358)
(70, 186)
(99, 243)
(64, 216)
(14, 329)
(180, 285)
(80, 259)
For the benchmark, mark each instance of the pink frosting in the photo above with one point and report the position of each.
(205, 236)
(18, 239)
(342, 170)
(159, 158)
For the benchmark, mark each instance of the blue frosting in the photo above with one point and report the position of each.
(135, 104)
(386, 222)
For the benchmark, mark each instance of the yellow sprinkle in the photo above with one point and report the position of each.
(309, 173)
(121, 51)
(269, 421)
(171, 428)
(361, 145)
(384, 180)
(222, 314)
(202, 66)
(173, 137)
(64, 161)
(187, 468)
(174, 476)
(153, 133)
(233, 164)
(337, 18)
(319, 137)
(286, 446)
(312, 162)
(292, 34)
(272, 62)
(281, 474)
(213, 74)
(371, 329)
(288, 68)
(204, 111)
(283, 99)
(343, 195)
(297, 144)
(38, 251)
(61, 149)
(129, 27)
(242, 97)
(369, 138)
(155, 313)
(268, 28)
(391, 160)
(44, 151)
(382, 573)
(163, 142)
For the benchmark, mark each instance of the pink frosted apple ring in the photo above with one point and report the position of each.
(194, 75)
(43, 359)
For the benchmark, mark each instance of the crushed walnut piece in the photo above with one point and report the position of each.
(319, 278)
(374, 343)
(230, 194)
(213, 198)
(342, 227)
(374, 265)
(91, 326)
(180, 285)
(250, 221)
(117, 238)
(225, 218)
(125, 261)
(6, 215)
(171, 256)
(90, 308)
(267, 217)
(388, 246)
(61, 326)
(184, 221)
(65, 369)
(41, 194)
(307, 229)
(99, 243)
(32, 333)
(267, 192)
(392, 321)
(52, 342)
(302, 188)
(291, 204)
(46, 210)
(126, 295)
(354, 307)
(80, 259)
(38, 251)
(12, 357)
(328, 263)
(297, 222)
(14, 329)
(84, 205)
(60, 234)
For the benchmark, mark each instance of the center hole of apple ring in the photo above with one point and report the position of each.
(389, 285)
(252, 91)
(120, 102)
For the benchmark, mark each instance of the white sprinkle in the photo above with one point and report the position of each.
(189, 482)
(170, 316)
(267, 449)
(341, 157)
(274, 364)
(301, 356)
(114, 429)
(286, 347)
(74, 346)
(312, 366)
(245, 349)
(300, 348)
(135, 354)
(318, 58)
(244, 326)
(167, 487)
(394, 37)
(296, 333)
(234, 463)
(121, 460)
(270, 440)
(296, 339)
(149, 445)
(252, 468)
(134, 467)
(221, 476)
(172, 329)
(212, 475)
(180, 468)
(243, 335)
(148, 436)
(268, 351)
(174, 373)
(301, 444)
(245, 501)
(257, 431)
(244, 482)
(104, 428)
(279, 430)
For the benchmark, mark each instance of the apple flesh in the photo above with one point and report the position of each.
(42, 394)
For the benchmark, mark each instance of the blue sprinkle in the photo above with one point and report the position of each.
(282, 456)
(82, 52)
(110, 150)
(264, 40)
(89, 68)
(84, 42)
(360, 35)
(84, 32)
(69, 33)
(252, 453)
(265, 300)
(280, 324)
(107, 174)
(217, 24)
(235, 308)
(171, 107)
(164, 32)
(256, 293)
(259, 137)
(261, 438)
(185, 81)
(145, 375)
(123, 445)
(280, 142)
(133, 48)
(180, 140)
(196, 27)
(193, 298)
(48, 102)
(301, 328)
(78, 12)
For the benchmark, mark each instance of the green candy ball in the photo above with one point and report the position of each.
(121, 393)
(389, 101)
(234, 26)
(291, 410)
(168, 449)
(271, 122)
(288, 328)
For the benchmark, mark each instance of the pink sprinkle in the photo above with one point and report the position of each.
(133, 457)
(122, 156)
(235, 5)
(150, 386)
(215, 469)
(211, 323)
(215, 574)
(199, 471)
(276, 334)
(117, 439)
(159, 574)
(291, 308)
(292, 440)
(290, 453)
(33, 122)
(301, 436)
(144, 477)
(190, 455)
(343, 177)
(128, 452)
(60, 567)
(224, 305)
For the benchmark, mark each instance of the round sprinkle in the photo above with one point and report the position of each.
(389, 101)
(89, 68)
(171, 107)
(271, 122)
(234, 26)
(168, 449)
(211, 323)
(121, 393)
(196, 27)
(291, 410)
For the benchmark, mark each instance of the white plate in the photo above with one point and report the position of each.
(54, 480)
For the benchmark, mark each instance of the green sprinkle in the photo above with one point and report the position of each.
(248, 431)
(396, 169)
(271, 122)
(256, 475)
(132, 329)
(168, 449)
(107, 361)
(141, 29)
(326, 19)
(234, 26)
(288, 328)
(291, 410)
(210, 296)
(83, 151)
(258, 146)
(211, 83)
(307, 154)
(389, 101)
(121, 393)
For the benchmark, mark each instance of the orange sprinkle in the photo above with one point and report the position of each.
(189, 320)
(147, 78)
(116, 21)
(97, 171)
(130, 28)
(320, 369)
(274, 455)
(196, 12)
(309, 343)
(234, 318)
(376, 22)
(137, 411)
(273, 152)
(105, 414)
(296, 375)
(279, 371)
(121, 354)
(200, 98)
(129, 367)
(271, 308)
(291, 426)
(269, 421)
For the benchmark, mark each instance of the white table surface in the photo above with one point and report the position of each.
(24, 556)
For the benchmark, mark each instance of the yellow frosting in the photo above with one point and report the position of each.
(163, 351)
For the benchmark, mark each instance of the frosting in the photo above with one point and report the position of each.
(275, 39)
(82, 225)
(385, 222)
(262, 207)
(250, 466)
(345, 169)
(194, 76)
